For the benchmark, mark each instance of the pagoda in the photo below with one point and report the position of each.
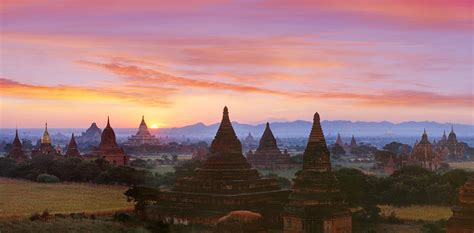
(46, 147)
(250, 142)
(339, 140)
(143, 136)
(316, 204)
(456, 150)
(16, 152)
(91, 136)
(424, 155)
(267, 155)
(353, 143)
(462, 220)
(225, 182)
(72, 151)
(108, 148)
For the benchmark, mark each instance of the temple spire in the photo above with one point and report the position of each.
(46, 139)
(108, 122)
(226, 140)
(316, 154)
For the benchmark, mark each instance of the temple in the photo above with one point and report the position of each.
(108, 148)
(91, 136)
(424, 155)
(46, 147)
(72, 150)
(16, 152)
(453, 149)
(353, 143)
(143, 136)
(462, 220)
(249, 142)
(225, 182)
(339, 140)
(316, 204)
(267, 155)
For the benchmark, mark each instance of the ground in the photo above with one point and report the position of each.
(21, 198)
(425, 213)
(467, 165)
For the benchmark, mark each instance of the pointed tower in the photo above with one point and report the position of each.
(353, 142)
(316, 204)
(268, 155)
(46, 139)
(339, 140)
(46, 147)
(143, 136)
(424, 155)
(72, 150)
(225, 182)
(108, 148)
(444, 138)
(462, 220)
(16, 153)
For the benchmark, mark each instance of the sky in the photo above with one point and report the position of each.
(70, 63)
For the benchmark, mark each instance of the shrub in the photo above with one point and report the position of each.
(46, 178)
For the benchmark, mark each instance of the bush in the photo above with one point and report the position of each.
(46, 178)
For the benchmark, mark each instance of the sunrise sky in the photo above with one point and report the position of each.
(179, 62)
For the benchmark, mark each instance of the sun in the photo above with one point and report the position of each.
(154, 126)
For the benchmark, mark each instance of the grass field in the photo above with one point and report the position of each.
(463, 165)
(426, 213)
(21, 198)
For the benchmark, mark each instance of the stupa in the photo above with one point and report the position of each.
(108, 148)
(316, 204)
(142, 137)
(46, 147)
(16, 152)
(225, 182)
(268, 155)
(91, 136)
(72, 150)
(424, 155)
(462, 220)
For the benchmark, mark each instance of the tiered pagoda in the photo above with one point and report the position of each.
(249, 142)
(46, 147)
(339, 140)
(456, 150)
(353, 143)
(267, 155)
(316, 204)
(424, 155)
(143, 136)
(91, 136)
(16, 153)
(225, 182)
(108, 148)
(462, 220)
(72, 150)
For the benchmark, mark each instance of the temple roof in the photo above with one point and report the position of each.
(46, 139)
(226, 140)
(143, 128)
(72, 150)
(108, 139)
(353, 141)
(16, 141)
(339, 140)
(267, 141)
(424, 138)
(452, 136)
(316, 154)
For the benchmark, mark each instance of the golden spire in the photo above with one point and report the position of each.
(46, 139)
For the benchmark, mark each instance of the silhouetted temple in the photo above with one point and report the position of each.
(353, 143)
(225, 182)
(108, 148)
(462, 220)
(46, 147)
(143, 136)
(249, 142)
(16, 152)
(451, 146)
(339, 140)
(316, 204)
(424, 155)
(267, 155)
(91, 136)
(72, 150)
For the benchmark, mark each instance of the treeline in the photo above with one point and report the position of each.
(407, 186)
(44, 168)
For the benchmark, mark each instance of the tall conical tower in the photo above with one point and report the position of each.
(46, 147)
(108, 149)
(16, 153)
(72, 150)
(225, 182)
(268, 155)
(316, 204)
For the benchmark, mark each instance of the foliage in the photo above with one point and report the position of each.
(395, 147)
(46, 178)
(297, 159)
(363, 150)
(187, 168)
(358, 188)
(435, 227)
(337, 150)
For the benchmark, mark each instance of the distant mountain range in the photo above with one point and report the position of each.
(331, 128)
(291, 129)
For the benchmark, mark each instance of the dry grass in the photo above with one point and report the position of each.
(426, 213)
(21, 198)
(463, 165)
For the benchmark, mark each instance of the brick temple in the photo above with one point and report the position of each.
(462, 220)
(143, 136)
(225, 182)
(108, 148)
(268, 155)
(424, 155)
(316, 204)
(16, 152)
(72, 150)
